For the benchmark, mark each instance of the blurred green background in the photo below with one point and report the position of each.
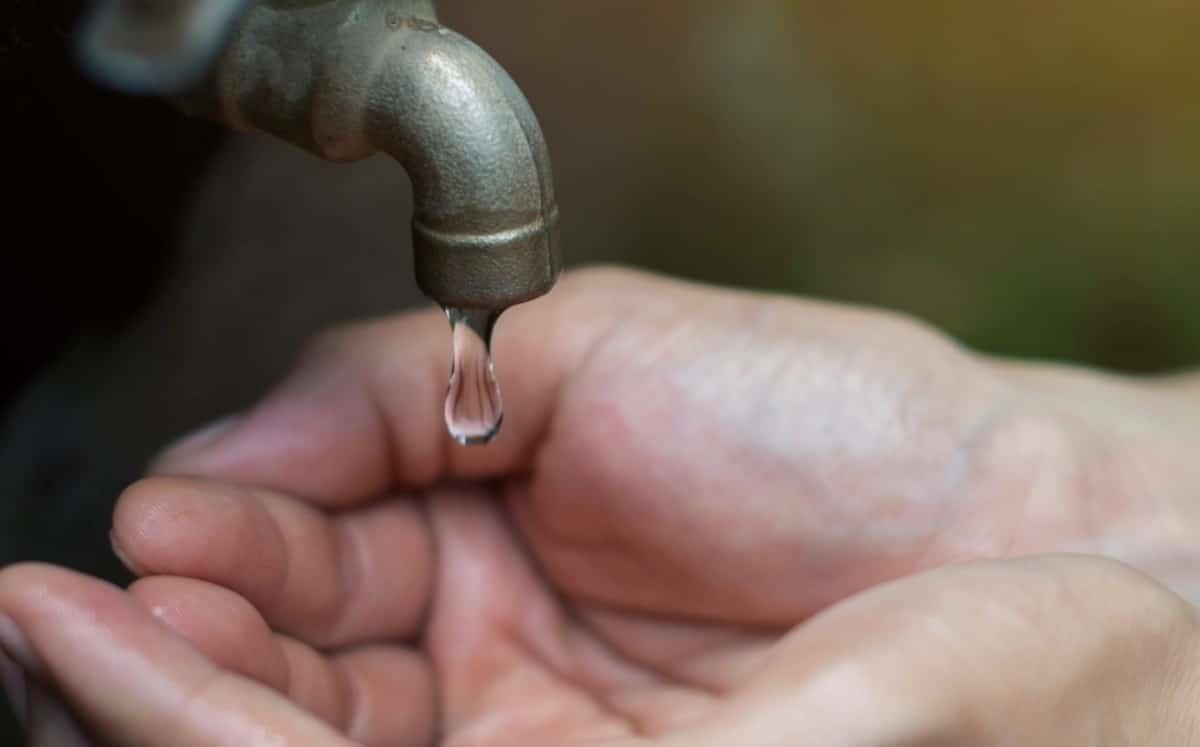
(1022, 174)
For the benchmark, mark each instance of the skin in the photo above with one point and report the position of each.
(713, 518)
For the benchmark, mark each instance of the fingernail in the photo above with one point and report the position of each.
(194, 443)
(15, 689)
(122, 555)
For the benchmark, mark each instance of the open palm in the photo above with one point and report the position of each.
(685, 478)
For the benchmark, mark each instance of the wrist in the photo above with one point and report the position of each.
(1120, 454)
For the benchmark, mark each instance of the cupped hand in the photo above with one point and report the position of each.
(1044, 652)
(685, 476)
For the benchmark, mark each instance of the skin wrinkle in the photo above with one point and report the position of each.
(506, 635)
(1174, 525)
(1016, 439)
(434, 550)
(294, 653)
(358, 710)
(641, 709)
(542, 465)
(283, 578)
(566, 615)
(593, 529)
(654, 678)
(552, 425)
(899, 423)
(329, 699)
(515, 640)
(955, 498)
(347, 706)
(1095, 453)
(826, 503)
(1051, 482)
(667, 673)
(1183, 688)
(288, 576)
(383, 429)
(353, 567)
(512, 634)
(534, 524)
(287, 680)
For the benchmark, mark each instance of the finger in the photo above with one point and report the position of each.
(220, 623)
(377, 695)
(394, 697)
(329, 580)
(363, 411)
(128, 676)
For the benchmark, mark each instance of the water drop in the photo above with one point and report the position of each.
(474, 408)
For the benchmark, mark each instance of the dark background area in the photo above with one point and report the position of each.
(1023, 175)
(95, 183)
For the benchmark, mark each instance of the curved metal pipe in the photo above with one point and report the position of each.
(347, 78)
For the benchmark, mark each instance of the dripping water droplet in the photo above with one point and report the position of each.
(474, 408)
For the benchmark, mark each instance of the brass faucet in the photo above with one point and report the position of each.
(344, 79)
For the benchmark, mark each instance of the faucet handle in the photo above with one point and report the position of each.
(155, 46)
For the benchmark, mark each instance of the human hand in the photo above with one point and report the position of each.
(682, 466)
(1062, 650)
(661, 436)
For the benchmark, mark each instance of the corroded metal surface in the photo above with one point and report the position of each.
(345, 79)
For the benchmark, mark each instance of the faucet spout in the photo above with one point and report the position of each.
(345, 79)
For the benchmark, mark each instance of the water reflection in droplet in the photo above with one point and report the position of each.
(474, 408)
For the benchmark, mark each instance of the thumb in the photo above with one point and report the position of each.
(1038, 651)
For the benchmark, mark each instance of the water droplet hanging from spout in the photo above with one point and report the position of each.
(474, 407)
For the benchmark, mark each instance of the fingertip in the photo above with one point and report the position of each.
(143, 520)
(33, 587)
(23, 576)
(143, 525)
(35, 595)
(19, 585)
(123, 555)
(195, 528)
(220, 623)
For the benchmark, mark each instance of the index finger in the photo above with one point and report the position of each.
(362, 412)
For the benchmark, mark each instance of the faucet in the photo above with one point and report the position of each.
(345, 79)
